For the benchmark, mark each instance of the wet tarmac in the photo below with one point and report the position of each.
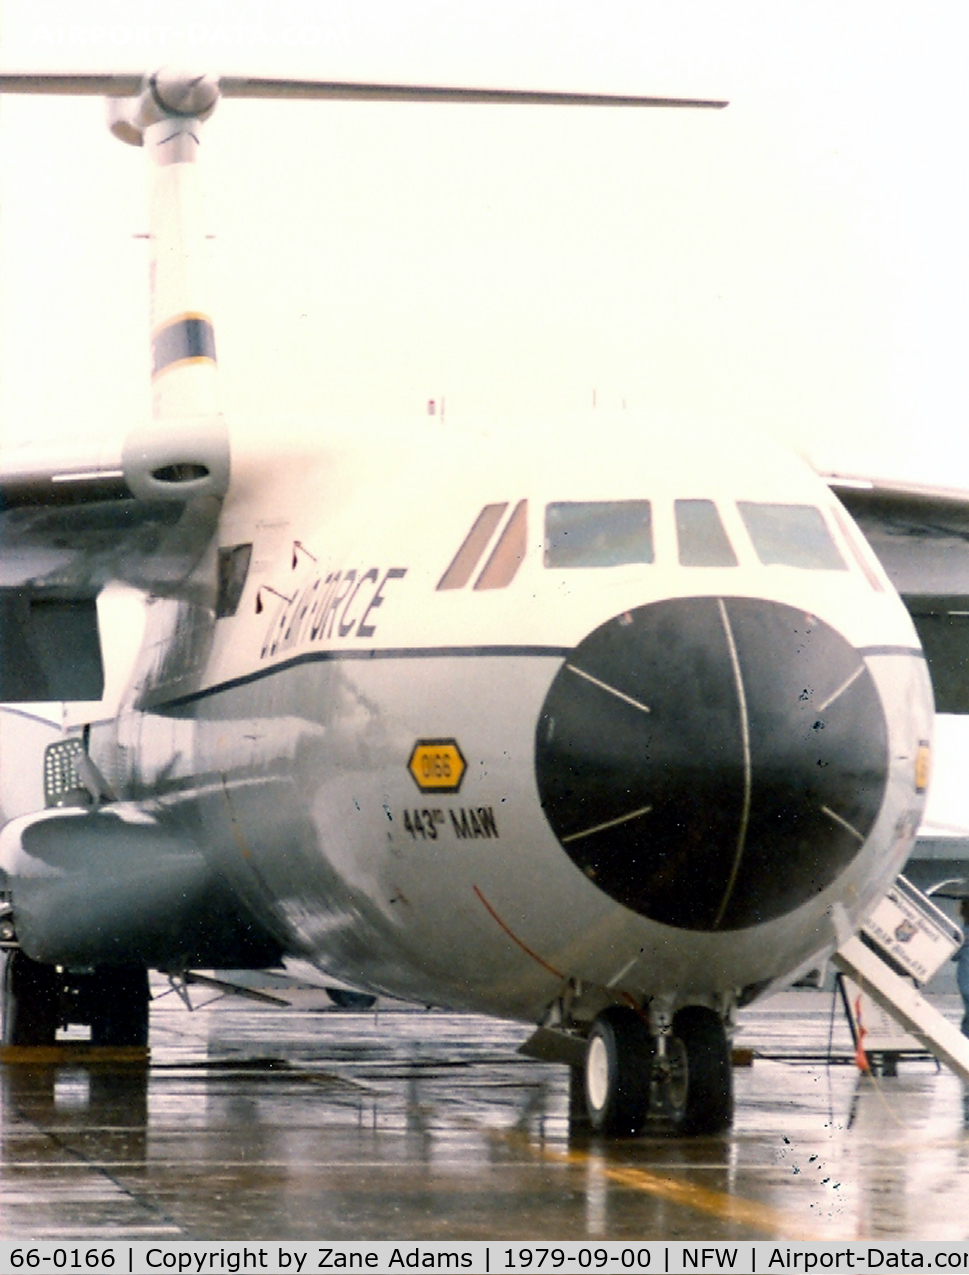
(258, 1122)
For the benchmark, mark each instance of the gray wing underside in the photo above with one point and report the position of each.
(140, 510)
(78, 520)
(921, 537)
(66, 531)
(71, 548)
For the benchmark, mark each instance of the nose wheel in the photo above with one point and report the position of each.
(618, 1064)
(682, 1079)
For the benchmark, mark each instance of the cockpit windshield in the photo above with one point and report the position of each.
(700, 536)
(598, 533)
(791, 535)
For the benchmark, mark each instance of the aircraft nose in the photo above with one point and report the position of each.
(712, 763)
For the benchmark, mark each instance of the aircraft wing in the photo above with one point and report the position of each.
(921, 537)
(69, 523)
(72, 522)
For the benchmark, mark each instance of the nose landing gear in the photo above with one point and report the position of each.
(680, 1077)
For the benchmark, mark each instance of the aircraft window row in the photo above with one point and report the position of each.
(791, 536)
(598, 533)
(611, 533)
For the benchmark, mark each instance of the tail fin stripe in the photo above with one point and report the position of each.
(183, 339)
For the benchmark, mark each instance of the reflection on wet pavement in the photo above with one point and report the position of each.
(258, 1122)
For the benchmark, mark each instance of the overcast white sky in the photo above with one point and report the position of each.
(797, 262)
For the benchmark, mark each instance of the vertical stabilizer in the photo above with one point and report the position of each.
(184, 452)
(183, 366)
(186, 445)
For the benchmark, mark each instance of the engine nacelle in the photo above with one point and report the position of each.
(178, 459)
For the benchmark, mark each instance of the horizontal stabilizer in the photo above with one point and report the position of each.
(73, 84)
(247, 86)
(256, 87)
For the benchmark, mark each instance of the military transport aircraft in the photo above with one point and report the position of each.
(623, 735)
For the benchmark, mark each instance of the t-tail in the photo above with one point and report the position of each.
(184, 450)
(166, 118)
(187, 442)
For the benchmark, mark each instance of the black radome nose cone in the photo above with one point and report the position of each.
(712, 763)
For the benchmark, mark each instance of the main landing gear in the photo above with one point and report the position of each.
(37, 999)
(682, 1075)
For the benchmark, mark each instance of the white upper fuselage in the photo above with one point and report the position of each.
(410, 500)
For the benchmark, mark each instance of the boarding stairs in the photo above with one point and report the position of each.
(903, 942)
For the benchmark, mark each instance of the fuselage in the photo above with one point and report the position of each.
(485, 722)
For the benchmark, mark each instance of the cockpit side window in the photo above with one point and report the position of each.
(598, 533)
(509, 553)
(700, 535)
(853, 536)
(475, 542)
(791, 535)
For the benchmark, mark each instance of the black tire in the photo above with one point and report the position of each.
(617, 1068)
(344, 999)
(708, 1104)
(578, 1107)
(31, 995)
(118, 999)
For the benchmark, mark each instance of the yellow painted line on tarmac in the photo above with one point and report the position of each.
(718, 1204)
(761, 1218)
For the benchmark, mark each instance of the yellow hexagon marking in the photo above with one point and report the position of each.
(437, 765)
